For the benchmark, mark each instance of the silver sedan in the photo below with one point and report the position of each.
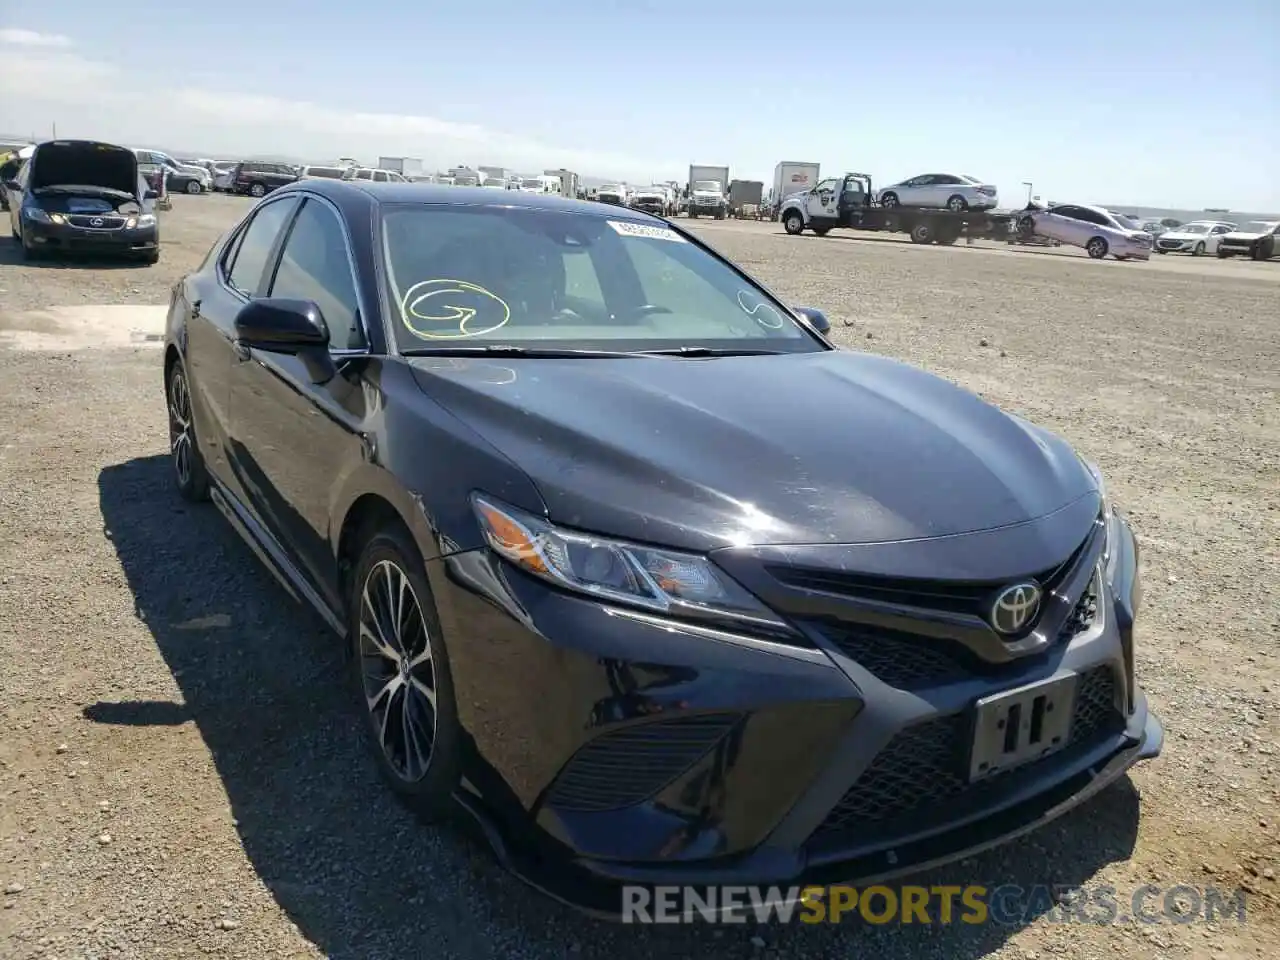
(1095, 229)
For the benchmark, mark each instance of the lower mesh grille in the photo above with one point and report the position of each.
(628, 766)
(919, 779)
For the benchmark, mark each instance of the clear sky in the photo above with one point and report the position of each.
(1169, 103)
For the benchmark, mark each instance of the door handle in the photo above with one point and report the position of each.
(195, 309)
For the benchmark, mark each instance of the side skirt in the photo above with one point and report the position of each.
(272, 555)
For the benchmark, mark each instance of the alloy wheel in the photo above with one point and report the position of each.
(180, 426)
(397, 671)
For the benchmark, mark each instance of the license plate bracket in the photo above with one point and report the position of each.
(1015, 727)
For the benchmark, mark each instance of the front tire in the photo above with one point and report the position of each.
(189, 473)
(194, 188)
(793, 222)
(889, 200)
(401, 675)
(1263, 251)
(957, 204)
(258, 190)
(1199, 249)
(1096, 248)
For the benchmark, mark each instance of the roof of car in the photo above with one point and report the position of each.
(475, 196)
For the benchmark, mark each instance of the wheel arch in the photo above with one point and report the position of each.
(367, 514)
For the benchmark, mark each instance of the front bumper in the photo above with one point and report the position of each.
(612, 748)
(66, 238)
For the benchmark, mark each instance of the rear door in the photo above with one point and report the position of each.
(213, 308)
(293, 437)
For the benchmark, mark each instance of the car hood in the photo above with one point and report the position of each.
(1244, 235)
(1179, 235)
(831, 447)
(84, 163)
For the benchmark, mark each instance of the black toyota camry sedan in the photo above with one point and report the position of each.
(632, 563)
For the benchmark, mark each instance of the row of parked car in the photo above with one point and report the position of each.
(1259, 239)
(1102, 232)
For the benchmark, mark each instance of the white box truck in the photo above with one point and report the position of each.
(790, 177)
(405, 166)
(708, 191)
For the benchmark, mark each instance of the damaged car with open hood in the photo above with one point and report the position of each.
(83, 196)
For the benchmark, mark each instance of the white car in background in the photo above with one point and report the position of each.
(224, 172)
(1098, 231)
(313, 172)
(1197, 238)
(945, 191)
(376, 175)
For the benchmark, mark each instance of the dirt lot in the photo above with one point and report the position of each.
(180, 771)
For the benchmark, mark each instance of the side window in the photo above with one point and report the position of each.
(1071, 213)
(314, 266)
(253, 249)
(363, 174)
(1221, 229)
(379, 176)
(826, 185)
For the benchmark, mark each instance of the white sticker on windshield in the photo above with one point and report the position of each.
(629, 228)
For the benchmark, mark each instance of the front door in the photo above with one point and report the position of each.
(823, 200)
(295, 438)
(212, 306)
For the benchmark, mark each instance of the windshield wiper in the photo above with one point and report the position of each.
(511, 350)
(691, 351)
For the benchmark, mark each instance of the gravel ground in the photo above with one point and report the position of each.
(180, 770)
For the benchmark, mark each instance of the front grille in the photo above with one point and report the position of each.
(1082, 614)
(903, 660)
(104, 221)
(911, 662)
(628, 766)
(952, 596)
(920, 779)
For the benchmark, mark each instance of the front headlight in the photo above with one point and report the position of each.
(665, 581)
(141, 220)
(36, 214)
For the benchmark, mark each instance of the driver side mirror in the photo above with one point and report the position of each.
(815, 318)
(290, 327)
(151, 194)
(12, 185)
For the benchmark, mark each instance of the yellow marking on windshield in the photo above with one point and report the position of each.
(457, 310)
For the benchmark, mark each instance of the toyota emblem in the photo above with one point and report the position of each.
(95, 222)
(1015, 607)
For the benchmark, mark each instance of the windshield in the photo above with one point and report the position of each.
(707, 185)
(1193, 228)
(471, 276)
(1258, 226)
(532, 185)
(333, 173)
